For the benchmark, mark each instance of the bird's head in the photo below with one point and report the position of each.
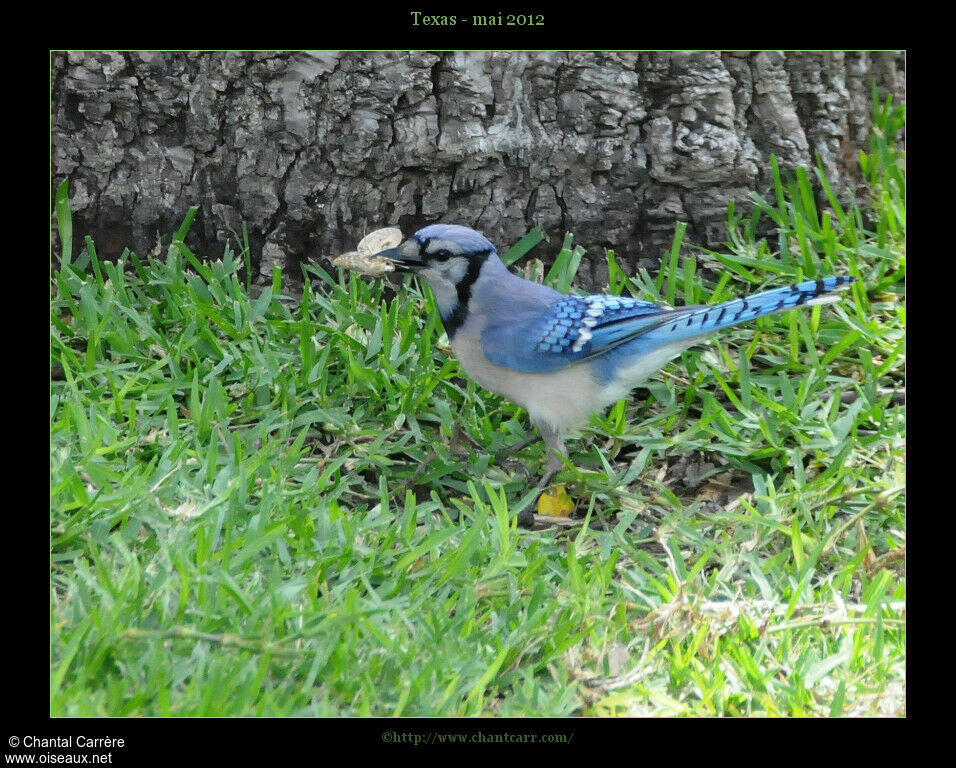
(445, 255)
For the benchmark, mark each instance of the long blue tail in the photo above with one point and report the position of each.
(689, 322)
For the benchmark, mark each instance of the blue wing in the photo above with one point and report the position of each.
(576, 328)
(572, 329)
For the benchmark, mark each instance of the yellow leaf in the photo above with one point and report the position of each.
(556, 503)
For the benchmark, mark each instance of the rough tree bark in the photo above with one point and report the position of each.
(311, 150)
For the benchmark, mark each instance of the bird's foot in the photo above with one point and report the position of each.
(526, 515)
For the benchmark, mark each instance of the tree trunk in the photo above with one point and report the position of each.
(312, 150)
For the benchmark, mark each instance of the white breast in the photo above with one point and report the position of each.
(561, 400)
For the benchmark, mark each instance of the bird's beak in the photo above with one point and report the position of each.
(405, 257)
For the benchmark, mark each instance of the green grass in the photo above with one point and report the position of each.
(262, 506)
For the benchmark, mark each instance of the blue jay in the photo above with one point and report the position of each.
(563, 357)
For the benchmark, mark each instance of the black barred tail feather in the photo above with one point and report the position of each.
(697, 321)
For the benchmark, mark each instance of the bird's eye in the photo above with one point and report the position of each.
(442, 255)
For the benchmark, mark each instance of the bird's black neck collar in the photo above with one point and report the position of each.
(455, 318)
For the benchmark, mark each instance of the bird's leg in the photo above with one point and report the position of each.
(557, 453)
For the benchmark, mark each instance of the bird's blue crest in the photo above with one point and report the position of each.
(469, 240)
